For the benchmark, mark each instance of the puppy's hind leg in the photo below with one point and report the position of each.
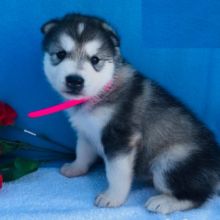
(183, 179)
(85, 157)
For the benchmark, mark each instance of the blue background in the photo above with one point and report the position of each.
(182, 23)
(144, 26)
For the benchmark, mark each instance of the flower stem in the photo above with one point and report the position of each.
(51, 160)
(46, 149)
(24, 145)
(43, 137)
(43, 150)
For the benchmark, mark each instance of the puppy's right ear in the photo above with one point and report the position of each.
(47, 27)
(112, 33)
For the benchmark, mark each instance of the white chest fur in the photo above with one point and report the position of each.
(91, 124)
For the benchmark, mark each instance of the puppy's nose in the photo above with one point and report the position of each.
(74, 83)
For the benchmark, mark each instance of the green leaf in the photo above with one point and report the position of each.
(18, 168)
(7, 148)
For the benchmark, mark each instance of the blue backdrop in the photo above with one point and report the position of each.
(190, 74)
(182, 23)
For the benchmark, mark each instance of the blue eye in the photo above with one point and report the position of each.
(61, 54)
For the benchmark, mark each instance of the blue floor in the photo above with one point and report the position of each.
(46, 194)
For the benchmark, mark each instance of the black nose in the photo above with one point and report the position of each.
(74, 83)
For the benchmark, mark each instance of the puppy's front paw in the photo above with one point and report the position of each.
(72, 170)
(108, 200)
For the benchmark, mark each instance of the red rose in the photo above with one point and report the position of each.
(7, 114)
(1, 181)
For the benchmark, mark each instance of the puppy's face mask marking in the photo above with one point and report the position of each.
(79, 57)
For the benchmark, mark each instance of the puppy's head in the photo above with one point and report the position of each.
(80, 54)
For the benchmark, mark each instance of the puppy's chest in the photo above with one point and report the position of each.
(91, 124)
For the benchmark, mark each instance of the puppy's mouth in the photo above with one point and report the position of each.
(74, 92)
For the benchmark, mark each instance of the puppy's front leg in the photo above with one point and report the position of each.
(85, 156)
(119, 171)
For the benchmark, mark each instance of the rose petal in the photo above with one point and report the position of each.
(7, 114)
(1, 181)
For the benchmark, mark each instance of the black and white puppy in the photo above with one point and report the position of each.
(130, 121)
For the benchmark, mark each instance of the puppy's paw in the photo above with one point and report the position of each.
(108, 200)
(72, 170)
(166, 204)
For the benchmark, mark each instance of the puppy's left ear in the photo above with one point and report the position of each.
(115, 40)
(113, 35)
(48, 26)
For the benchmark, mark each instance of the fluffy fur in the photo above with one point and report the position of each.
(138, 128)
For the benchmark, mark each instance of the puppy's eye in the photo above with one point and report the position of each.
(94, 60)
(61, 54)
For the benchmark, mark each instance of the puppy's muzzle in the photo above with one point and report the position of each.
(74, 84)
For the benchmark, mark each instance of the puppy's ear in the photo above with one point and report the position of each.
(115, 40)
(48, 26)
(113, 35)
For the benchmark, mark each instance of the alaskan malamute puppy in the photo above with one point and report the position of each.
(130, 121)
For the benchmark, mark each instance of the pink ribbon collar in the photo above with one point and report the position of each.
(71, 103)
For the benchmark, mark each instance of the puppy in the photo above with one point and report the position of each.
(129, 121)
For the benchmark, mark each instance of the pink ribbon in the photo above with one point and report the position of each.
(69, 104)
(57, 108)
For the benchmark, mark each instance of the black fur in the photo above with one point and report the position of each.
(195, 178)
(192, 179)
(116, 134)
(69, 23)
